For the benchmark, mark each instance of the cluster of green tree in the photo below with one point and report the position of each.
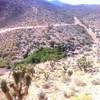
(44, 54)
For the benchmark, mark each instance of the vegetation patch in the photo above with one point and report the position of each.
(84, 63)
(4, 63)
(44, 54)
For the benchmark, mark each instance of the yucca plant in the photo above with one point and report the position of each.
(52, 64)
(20, 87)
(46, 75)
(27, 83)
(23, 72)
(65, 68)
(5, 90)
(17, 76)
(17, 87)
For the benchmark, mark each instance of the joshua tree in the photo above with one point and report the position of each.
(46, 75)
(52, 64)
(5, 90)
(65, 68)
(27, 83)
(22, 81)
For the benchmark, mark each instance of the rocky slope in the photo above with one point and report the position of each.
(21, 13)
(16, 44)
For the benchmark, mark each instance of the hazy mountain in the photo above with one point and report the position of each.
(89, 14)
(31, 12)
(10, 11)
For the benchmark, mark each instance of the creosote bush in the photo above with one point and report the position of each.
(84, 64)
(4, 63)
(20, 86)
(5, 90)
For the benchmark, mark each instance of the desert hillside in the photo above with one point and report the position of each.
(49, 51)
(24, 23)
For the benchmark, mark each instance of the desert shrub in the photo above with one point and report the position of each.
(84, 64)
(44, 54)
(52, 44)
(4, 63)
